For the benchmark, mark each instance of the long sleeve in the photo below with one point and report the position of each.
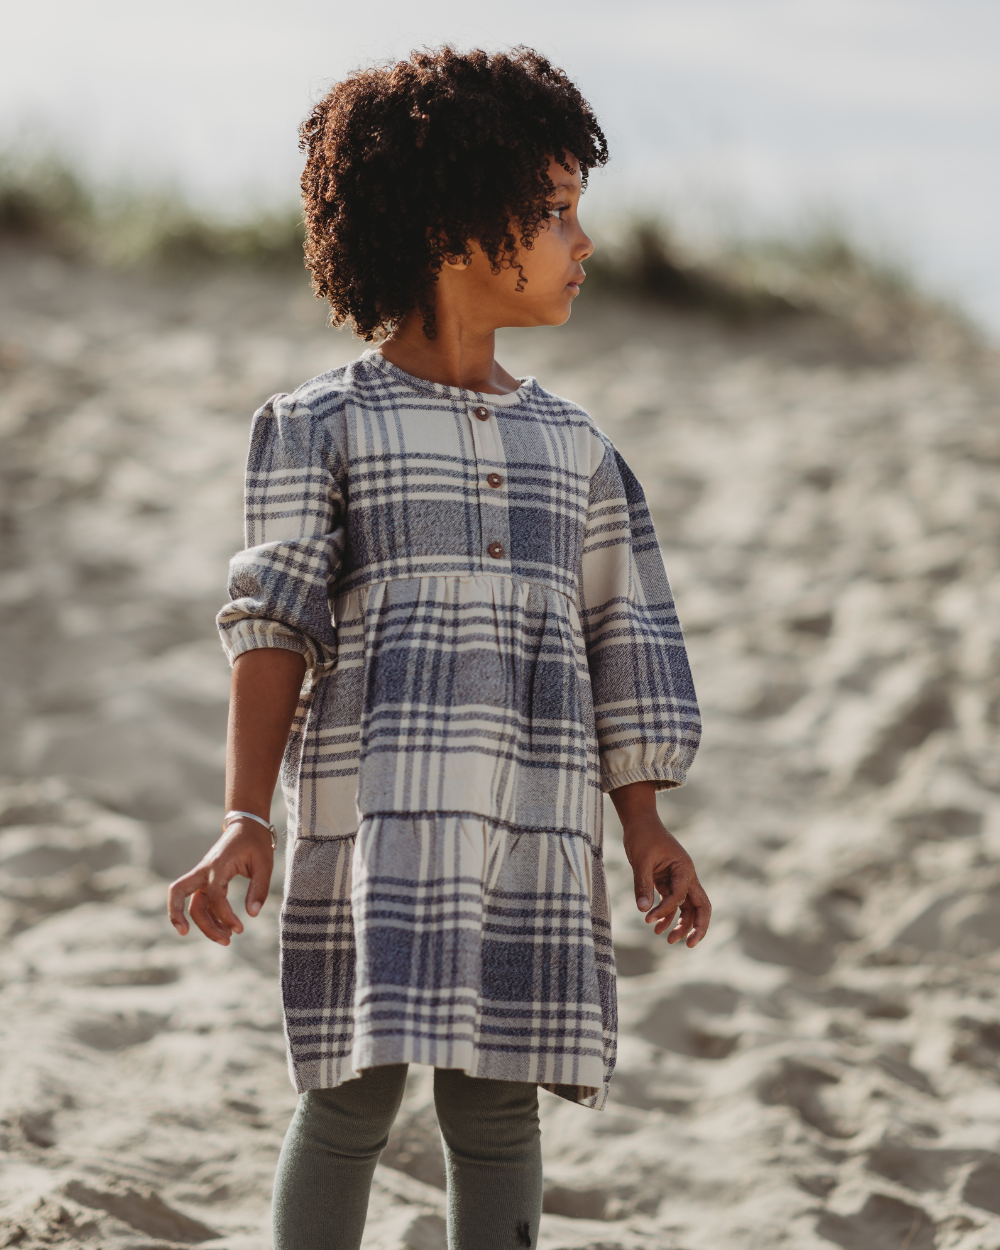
(646, 713)
(280, 585)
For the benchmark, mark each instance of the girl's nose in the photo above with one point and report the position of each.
(584, 247)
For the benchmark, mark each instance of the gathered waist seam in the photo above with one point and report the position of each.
(422, 577)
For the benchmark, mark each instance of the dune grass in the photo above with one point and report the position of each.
(46, 202)
(819, 271)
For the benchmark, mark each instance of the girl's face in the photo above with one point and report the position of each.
(552, 266)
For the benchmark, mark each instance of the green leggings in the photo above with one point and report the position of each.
(492, 1150)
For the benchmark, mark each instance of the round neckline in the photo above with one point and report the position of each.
(441, 390)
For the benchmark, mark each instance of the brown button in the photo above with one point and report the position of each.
(495, 479)
(483, 414)
(496, 550)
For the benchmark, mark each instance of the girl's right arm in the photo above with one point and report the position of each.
(265, 694)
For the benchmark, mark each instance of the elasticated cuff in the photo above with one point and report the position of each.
(665, 778)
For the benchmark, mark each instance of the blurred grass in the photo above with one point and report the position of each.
(44, 201)
(642, 259)
(820, 271)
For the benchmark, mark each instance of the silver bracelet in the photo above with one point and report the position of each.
(231, 817)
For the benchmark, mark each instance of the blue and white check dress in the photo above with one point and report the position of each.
(491, 642)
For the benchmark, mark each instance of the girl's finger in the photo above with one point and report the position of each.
(178, 892)
(674, 891)
(685, 922)
(203, 916)
(221, 909)
(663, 926)
(703, 915)
(665, 909)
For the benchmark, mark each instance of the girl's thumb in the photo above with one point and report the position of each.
(643, 891)
(257, 893)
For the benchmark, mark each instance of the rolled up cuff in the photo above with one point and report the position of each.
(248, 634)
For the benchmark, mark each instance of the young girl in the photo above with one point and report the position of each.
(452, 623)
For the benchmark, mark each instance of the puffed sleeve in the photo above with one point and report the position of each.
(280, 586)
(647, 720)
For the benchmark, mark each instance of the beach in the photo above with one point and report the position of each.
(824, 1070)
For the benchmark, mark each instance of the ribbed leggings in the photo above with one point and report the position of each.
(492, 1150)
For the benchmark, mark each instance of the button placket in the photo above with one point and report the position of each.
(494, 519)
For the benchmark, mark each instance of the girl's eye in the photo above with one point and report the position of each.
(558, 210)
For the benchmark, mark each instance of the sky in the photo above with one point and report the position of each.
(753, 114)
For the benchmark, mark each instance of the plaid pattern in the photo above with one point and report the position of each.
(491, 642)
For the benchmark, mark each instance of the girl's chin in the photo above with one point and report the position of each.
(563, 317)
(553, 313)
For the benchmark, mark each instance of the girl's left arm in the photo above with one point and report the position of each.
(645, 710)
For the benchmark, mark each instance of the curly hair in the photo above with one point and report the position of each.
(408, 163)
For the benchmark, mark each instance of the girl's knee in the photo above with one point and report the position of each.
(496, 1114)
(356, 1116)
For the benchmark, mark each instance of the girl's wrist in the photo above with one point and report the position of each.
(636, 801)
(248, 818)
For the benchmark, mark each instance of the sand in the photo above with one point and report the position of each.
(823, 1071)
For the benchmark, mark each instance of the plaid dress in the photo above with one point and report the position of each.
(491, 642)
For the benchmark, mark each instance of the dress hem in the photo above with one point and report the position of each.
(594, 1097)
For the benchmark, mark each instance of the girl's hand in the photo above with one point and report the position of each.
(266, 684)
(659, 861)
(244, 850)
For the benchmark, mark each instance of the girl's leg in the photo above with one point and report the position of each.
(493, 1158)
(328, 1159)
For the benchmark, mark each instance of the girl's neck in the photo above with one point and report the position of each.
(456, 356)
